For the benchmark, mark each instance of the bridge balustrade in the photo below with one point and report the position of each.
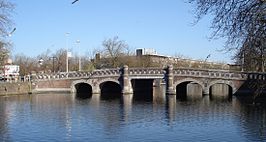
(106, 72)
(209, 74)
(222, 74)
(62, 75)
(144, 71)
(253, 76)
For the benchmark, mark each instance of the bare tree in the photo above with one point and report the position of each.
(242, 22)
(46, 64)
(4, 52)
(60, 56)
(252, 55)
(6, 9)
(26, 64)
(113, 51)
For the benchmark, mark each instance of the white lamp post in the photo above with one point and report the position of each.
(78, 42)
(67, 35)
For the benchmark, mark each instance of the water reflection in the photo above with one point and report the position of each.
(171, 108)
(62, 117)
(253, 120)
(4, 115)
(126, 107)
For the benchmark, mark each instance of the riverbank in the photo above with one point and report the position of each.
(15, 88)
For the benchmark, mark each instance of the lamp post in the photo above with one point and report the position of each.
(205, 61)
(10, 34)
(207, 57)
(40, 61)
(67, 35)
(78, 42)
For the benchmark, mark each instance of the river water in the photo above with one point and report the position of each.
(62, 117)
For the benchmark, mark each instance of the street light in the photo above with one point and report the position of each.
(40, 61)
(10, 34)
(78, 42)
(205, 61)
(67, 35)
(207, 57)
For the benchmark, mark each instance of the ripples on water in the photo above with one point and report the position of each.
(61, 117)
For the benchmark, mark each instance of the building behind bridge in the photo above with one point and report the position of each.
(150, 58)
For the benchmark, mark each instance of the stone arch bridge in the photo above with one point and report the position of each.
(131, 80)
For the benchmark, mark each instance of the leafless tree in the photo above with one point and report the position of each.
(252, 55)
(242, 22)
(4, 52)
(26, 64)
(60, 57)
(50, 62)
(6, 9)
(113, 51)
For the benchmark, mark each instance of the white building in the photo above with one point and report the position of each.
(10, 72)
(146, 51)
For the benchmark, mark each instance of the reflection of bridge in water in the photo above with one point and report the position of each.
(181, 81)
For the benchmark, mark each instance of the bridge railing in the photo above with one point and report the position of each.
(63, 75)
(223, 74)
(145, 71)
(106, 72)
(95, 73)
(256, 76)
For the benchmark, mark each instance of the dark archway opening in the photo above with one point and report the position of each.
(110, 90)
(142, 89)
(221, 91)
(189, 91)
(83, 90)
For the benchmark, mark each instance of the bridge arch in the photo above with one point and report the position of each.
(189, 80)
(110, 88)
(189, 87)
(225, 91)
(82, 89)
(108, 80)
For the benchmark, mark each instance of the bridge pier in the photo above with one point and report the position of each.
(96, 99)
(127, 88)
(206, 90)
(169, 80)
(96, 90)
(158, 91)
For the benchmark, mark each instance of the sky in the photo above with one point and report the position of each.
(164, 25)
